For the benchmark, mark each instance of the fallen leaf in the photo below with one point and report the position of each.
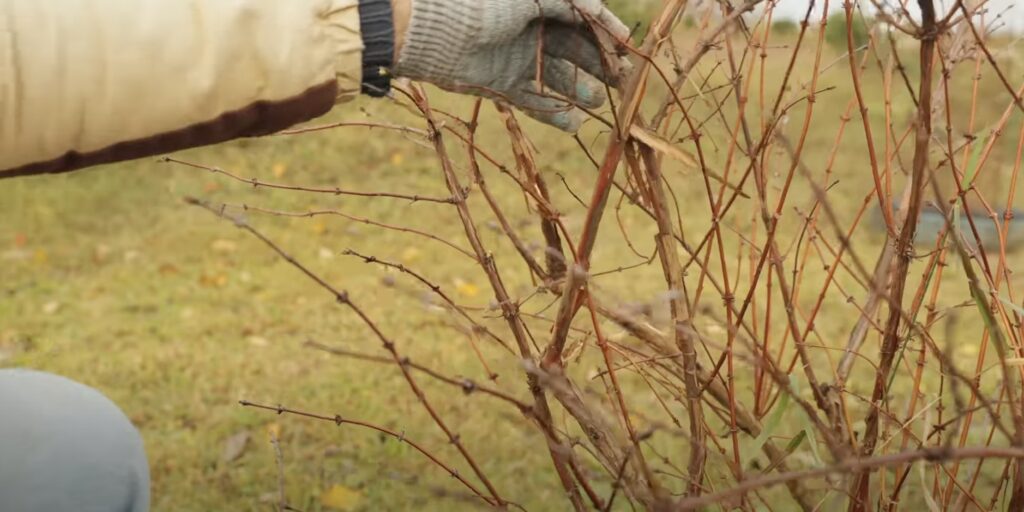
(213, 280)
(211, 186)
(258, 341)
(273, 430)
(410, 254)
(20, 240)
(101, 253)
(967, 350)
(234, 446)
(716, 329)
(223, 246)
(168, 269)
(397, 158)
(318, 227)
(279, 169)
(339, 497)
(467, 289)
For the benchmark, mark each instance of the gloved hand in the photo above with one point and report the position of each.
(490, 48)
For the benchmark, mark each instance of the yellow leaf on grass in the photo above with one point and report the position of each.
(41, 257)
(168, 269)
(967, 350)
(224, 246)
(51, 307)
(318, 227)
(410, 254)
(339, 497)
(279, 169)
(101, 253)
(467, 289)
(274, 430)
(218, 280)
(397, 158)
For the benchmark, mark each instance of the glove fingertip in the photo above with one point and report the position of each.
(568, 121)
(590, 95)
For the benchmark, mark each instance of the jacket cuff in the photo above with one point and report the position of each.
(378, 28)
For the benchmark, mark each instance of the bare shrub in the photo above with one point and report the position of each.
(735, 248)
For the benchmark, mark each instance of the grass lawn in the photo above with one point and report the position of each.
(107, 277)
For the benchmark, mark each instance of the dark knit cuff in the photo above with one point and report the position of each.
(378, 28)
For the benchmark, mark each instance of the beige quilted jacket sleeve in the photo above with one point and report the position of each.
(85, 82)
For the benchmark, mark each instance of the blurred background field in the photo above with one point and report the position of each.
(107, 277)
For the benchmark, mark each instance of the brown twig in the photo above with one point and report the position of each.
(859, 465)
(559, 456)
(344, 299)
(335, 191)
(339, 420)
(903, 256)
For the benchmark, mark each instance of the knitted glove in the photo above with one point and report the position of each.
(490, 48)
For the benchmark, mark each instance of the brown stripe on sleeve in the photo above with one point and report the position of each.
(257, 119)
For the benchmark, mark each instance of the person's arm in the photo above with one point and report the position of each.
(87, 82)
(84, 82)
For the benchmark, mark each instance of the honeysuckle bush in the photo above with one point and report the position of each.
(714, 295)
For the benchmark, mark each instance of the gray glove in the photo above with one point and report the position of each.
(490, 48)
